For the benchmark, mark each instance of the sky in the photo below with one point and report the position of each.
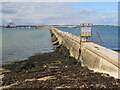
(59, 13)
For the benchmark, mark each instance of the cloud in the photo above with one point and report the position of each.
(53, 13)
(8, 11)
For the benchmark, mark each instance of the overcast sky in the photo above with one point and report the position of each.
(52, 13)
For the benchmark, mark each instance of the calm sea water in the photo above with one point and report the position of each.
(21, 43)
(106, 36)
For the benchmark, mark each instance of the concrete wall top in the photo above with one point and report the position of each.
(110, 55)
(107, 52)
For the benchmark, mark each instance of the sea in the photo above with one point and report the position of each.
(18, 44)
(106, 36)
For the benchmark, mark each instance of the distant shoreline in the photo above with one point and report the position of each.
(71, 26)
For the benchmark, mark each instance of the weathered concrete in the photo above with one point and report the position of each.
(91, 55)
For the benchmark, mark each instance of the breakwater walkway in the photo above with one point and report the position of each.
(91, 55)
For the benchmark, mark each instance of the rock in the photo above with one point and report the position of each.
(25, 66)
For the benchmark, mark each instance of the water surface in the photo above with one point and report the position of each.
(21, 43)
(107, 36)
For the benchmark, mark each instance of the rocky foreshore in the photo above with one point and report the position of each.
(54, 70)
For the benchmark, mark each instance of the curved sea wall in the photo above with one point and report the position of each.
(90, 55)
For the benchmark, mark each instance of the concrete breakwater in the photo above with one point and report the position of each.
(54, 70)
(91, 55)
